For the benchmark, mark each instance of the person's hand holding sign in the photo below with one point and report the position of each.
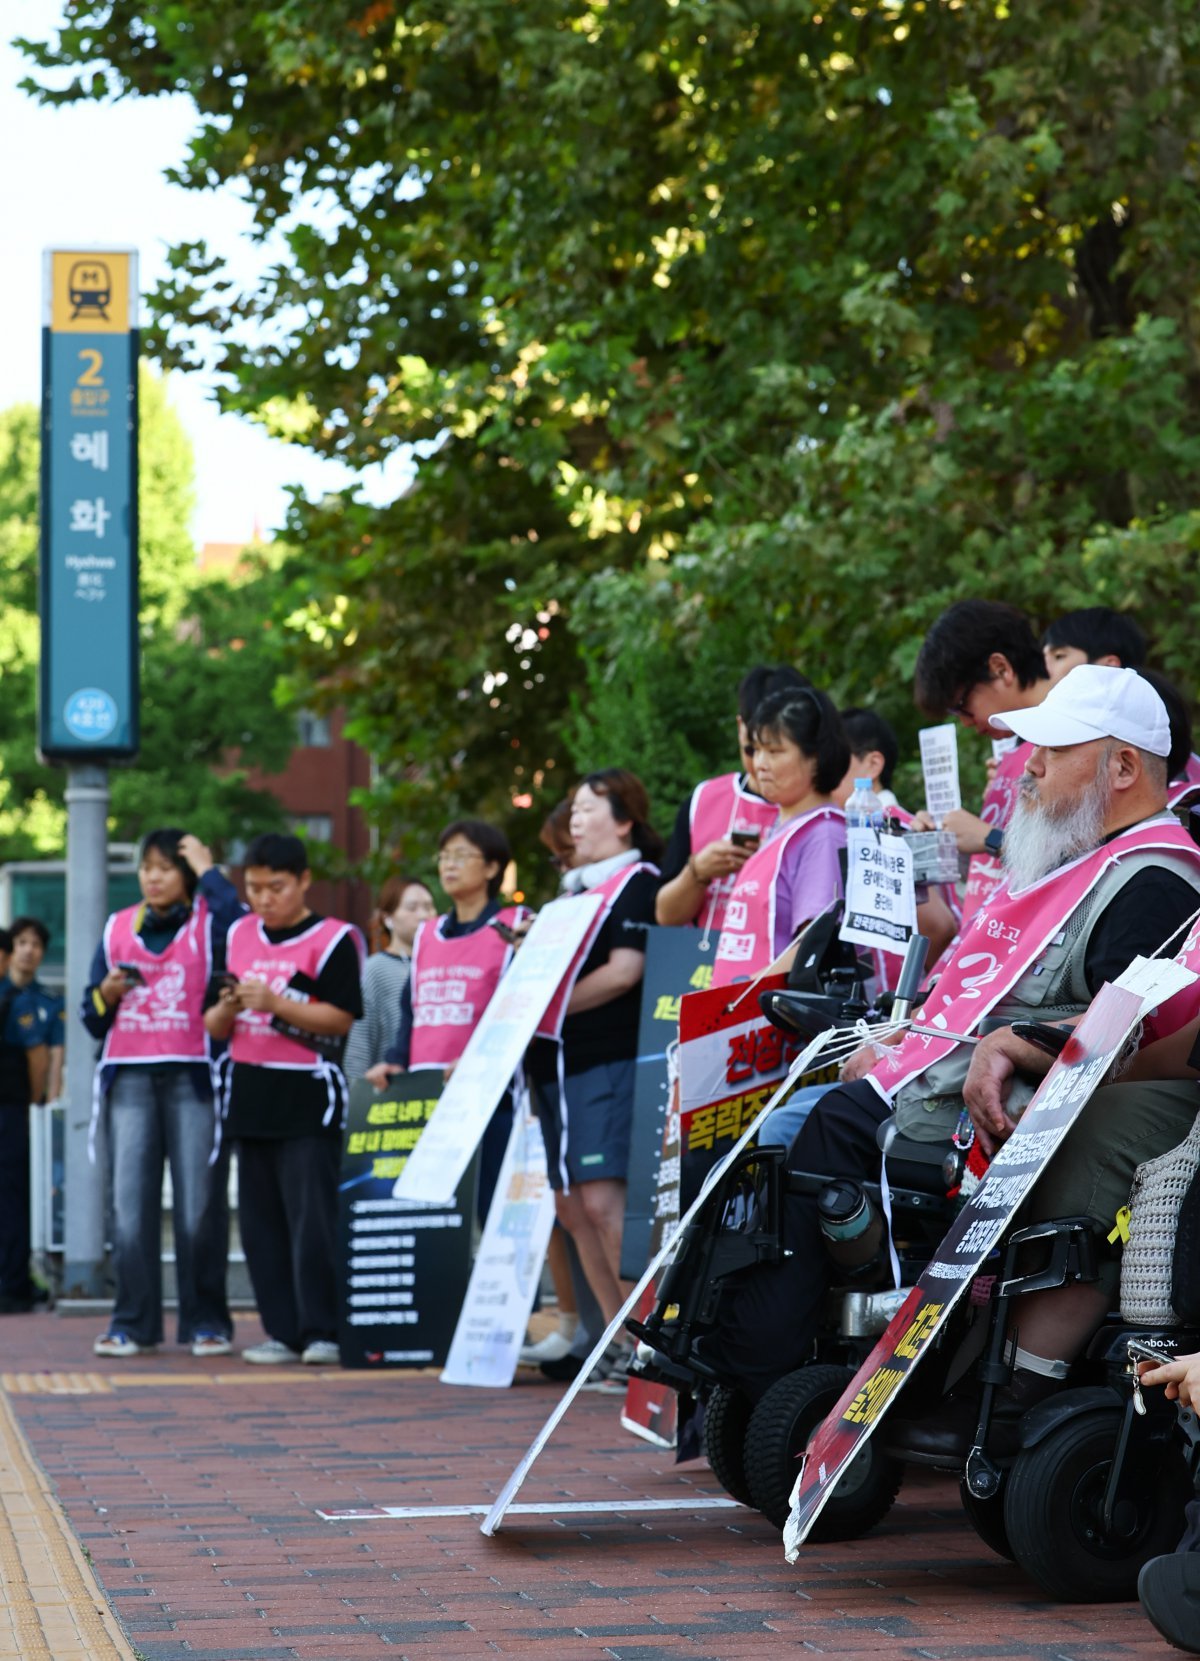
(968, 829)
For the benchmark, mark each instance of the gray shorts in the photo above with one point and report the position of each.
(587, 1138)
(1122, 1127)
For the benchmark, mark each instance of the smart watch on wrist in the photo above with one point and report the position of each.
(994, 841)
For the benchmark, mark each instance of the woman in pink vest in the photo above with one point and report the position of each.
(722, 822)
(145, 1002)
(457, 962)
(800, 756)
(582, 1062)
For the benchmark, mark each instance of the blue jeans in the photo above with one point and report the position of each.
(155, 1113)
(780, 1128)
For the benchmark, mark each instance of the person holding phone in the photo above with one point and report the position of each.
(722, 823)
(800, 757)
(145, 1002)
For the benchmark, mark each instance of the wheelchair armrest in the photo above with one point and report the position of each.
(803, 1015)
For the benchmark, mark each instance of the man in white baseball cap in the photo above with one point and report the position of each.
(1095, 872)
(1094, 701)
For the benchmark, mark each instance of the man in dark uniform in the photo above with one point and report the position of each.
(30, 1025)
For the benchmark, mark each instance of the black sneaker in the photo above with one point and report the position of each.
(563, 1370)
(1169, 1588)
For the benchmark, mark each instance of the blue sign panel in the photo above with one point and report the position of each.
(89, 587)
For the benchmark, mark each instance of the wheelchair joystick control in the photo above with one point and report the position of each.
(850, 1226)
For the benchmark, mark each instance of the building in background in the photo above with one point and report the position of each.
(314, 788)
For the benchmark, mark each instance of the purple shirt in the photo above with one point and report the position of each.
(810, 877)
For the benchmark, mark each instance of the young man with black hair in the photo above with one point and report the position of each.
(981, 659)
(1095, 634)
(290, 994)
(722, 822)
(31, 1029)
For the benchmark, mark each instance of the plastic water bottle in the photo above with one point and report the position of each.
(863, 809)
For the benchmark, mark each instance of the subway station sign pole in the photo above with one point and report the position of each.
(88, 694)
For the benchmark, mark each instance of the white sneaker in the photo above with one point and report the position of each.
(321, 1353)
(117, 1344)
(270, 1353)
(550, 1348)
(211, 1343)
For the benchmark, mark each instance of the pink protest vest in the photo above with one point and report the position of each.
(1005, 937)
(163, 1019)
(1184, 1006)
(719, 807)
(452, 984)
(1188, 783)
(747, 943)
(986, 873)
(551, 1023)
(251, 956)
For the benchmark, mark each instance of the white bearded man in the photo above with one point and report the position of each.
(1096, 874)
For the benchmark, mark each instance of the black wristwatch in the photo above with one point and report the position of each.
(994, 841)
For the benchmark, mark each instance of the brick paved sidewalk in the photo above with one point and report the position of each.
(195, 1488)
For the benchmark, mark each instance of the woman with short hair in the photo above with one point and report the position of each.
(800, 757)
(583, 1060)
(403, 905)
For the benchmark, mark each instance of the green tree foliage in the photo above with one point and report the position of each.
(210, 657)
(728, 330)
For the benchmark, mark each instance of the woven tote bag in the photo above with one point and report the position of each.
(1158, 1192)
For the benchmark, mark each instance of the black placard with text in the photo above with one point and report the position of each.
(675, 964)
(403, 1266)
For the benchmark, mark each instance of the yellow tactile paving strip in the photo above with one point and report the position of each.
(104, 1384)
(51, 1605)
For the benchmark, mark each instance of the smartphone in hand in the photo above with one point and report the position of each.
(132, 974)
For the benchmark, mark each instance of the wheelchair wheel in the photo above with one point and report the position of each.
(986, 1517)
(726, 1415)
(779, 1431)
(1053, 1511)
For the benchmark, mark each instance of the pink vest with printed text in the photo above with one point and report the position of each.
(719, 807)
(1002, 941)
(1184, 1007)
(747, 943)
(985, 872)
(452, 984)
(162, 1020)
(251, 956)
(551, 1023)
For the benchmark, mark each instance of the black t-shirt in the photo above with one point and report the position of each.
(271, 1102)
(609, 1033)
(680, 845)
(1147, 910)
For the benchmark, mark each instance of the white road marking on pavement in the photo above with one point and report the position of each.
(561, 1508)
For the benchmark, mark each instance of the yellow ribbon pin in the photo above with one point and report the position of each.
(1121, 1231)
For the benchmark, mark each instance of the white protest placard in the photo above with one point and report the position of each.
(881, 897)
(939, 764)
(495, 1048)
(1004, 746)
(504, 1280)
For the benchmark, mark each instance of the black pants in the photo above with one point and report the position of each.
(768, 1315)
(287, 1208)
(14, 1204)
